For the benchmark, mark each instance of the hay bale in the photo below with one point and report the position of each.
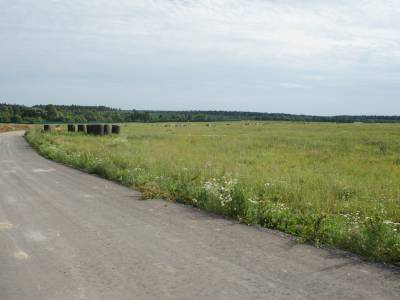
(82, 128)
(116, 129)
(95, 129)
(71, 128)
(89, 129)
(48, 128)
(107, 128)
(101, 129)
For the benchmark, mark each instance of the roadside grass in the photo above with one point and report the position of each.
(329, 184)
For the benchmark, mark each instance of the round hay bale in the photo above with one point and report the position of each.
(71, 128)
(48, 128)
(116, 129)
(95, 129)
(89, 129)
(82, 128)
(101, 129)
(107, 128)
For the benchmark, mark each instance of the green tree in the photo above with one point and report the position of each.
(16, 118)
(5, 115)
(52, 113)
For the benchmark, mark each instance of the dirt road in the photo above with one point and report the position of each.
(68, 235)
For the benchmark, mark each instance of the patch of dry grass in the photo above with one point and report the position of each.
(13, 127)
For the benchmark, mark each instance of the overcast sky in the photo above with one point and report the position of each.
(308, 56)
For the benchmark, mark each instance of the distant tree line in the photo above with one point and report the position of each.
(12, 113)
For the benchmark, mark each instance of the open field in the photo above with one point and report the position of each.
(331, 184)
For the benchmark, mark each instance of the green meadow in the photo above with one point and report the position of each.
(329, 184)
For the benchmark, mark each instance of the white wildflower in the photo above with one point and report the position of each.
(252, 201)
(221, 189)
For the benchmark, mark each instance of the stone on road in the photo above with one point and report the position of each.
(69, 235)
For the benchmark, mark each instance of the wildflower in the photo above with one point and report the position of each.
(252, 201)
(221, 189)
(388, 222)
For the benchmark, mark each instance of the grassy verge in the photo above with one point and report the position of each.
(329, 184)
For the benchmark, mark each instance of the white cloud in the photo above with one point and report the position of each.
(319, 34)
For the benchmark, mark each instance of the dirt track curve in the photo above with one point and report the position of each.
(69, 235)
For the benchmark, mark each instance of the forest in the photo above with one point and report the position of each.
(37, 114)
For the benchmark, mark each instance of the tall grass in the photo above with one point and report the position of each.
(329, 184)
